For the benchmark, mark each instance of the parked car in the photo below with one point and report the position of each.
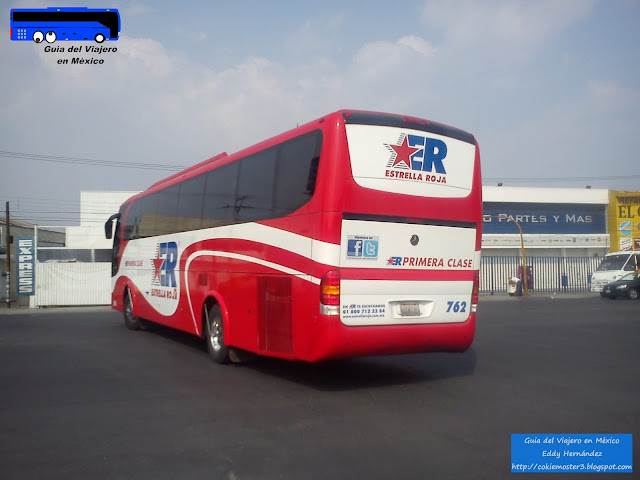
(627, 286)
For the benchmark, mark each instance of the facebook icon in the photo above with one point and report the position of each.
(362, 247)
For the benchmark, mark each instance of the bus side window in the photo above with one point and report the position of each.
(297, 170)
(219, 196)
(190, 204)
(254, 197)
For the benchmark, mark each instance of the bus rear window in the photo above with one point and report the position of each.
(411, 162)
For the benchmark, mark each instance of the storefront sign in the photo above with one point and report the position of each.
(26, 272)
(548, 241)
(623, 217)
(544, 218)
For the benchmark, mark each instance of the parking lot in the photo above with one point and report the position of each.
(83, 397)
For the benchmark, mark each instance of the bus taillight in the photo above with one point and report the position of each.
(330, 293)
(474, 291)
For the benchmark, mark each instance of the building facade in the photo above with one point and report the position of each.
(555, 222)
(559, 235)
(50, 237)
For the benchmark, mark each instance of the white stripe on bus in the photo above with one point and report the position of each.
(244, 258)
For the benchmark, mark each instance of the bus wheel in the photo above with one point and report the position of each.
(218, 351)
(99, 38)
(633, 293)
(132, 322)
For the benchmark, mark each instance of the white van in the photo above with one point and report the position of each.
(614, 266)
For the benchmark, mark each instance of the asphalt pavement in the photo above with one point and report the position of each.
(82, 397)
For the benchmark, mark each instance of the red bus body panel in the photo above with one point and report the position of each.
(269, 292)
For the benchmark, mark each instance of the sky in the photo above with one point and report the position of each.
(550, 89)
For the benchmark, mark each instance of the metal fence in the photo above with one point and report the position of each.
(545, 274)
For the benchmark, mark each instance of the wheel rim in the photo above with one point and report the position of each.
(216, 334)
(128, 308)
(633, 294)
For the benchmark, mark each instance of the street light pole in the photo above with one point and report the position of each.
(525, 286)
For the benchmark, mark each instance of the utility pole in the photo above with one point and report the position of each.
(8, 242)
(524, 261)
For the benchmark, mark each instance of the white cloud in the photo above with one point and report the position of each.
(611, 96)
(315, 36)
(381, 65)
(508, 31)
(418, 45)
(131, 8)
(588, 133)
(149, 103)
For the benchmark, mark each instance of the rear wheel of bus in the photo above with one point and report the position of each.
(214, 334)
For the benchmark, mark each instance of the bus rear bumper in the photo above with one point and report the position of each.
(337, 340)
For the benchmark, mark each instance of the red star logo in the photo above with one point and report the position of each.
(403, 153)
(157, 265)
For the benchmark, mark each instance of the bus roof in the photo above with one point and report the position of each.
(349, 116)
(403, 121)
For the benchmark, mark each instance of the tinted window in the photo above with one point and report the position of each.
(167, 207)
(254, 198)
(297, 170)
(219, 196)
(272, 183)
(613, 262)
(131, 222)
(146, 219)
(115, 252)
(190, 203)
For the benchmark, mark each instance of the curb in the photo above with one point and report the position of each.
(45, 310)
(498, 297)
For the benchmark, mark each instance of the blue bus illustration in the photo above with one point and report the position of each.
(64, 23)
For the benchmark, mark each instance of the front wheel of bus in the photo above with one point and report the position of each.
(218, 351)
(132, 322)
(99, 38)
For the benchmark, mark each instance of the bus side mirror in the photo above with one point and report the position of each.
(108, 226)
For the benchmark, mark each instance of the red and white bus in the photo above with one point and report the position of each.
(356, 234)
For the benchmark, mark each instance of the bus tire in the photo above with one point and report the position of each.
(214, 334)
(633, 293)
(99, 38)
(131, 321)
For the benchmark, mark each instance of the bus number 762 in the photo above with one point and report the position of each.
(456, 306)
